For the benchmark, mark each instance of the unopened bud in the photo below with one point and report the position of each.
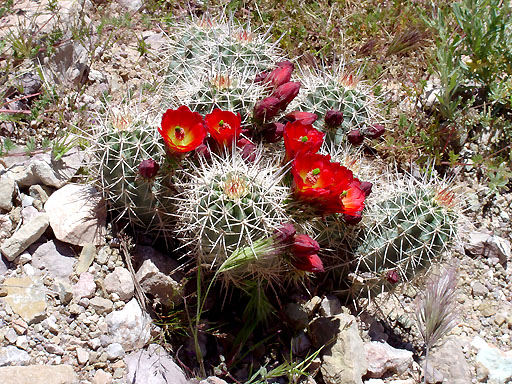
(355, 137)
(148, 168)
(333, 118)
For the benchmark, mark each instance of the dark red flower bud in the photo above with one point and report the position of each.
(392, 277)
(260, 77)
(303, 117)
(266, 109)
(375, 131)
(286, 93)
(366, 187)
(148, 168)
(308, 263)
(286, 63)
(273, 132)
(248, 149)
(352, 220)
(304, 245)
(285, 234)
(333, 118)
(204, 151)
(355, 137)
(280, 75)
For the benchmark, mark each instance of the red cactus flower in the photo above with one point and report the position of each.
(223, 126)
(182, 129)
(352, 199)
(366, 187)
(304, 117)
(260, 77)
(352, 220)
(355, 137)
(308, 263)
(280, 75)
(375, 131)
(148, 168)
(300, 137)
(313, 177)
(286, 93)
(333, 118)
(266, 109)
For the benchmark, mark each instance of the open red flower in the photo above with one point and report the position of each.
(313, 176)
(308, 263)
(223, 126)
(299, 137)
(182, 129)
(350, 201)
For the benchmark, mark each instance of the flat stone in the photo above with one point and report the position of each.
(11, 336)
(54, 258)
(85, 287)
(383, 358)
(86, 258)
(77, 215)
(129, 326)
(450, 361)
(12, 355)
(497, 363)
(6, 191)
(488, 245)
(82, 356)
(27, 298)
(153, 366)
(478, 289)
(20, 326)
(120, 282)
(101, 305)
(50, 374)
(28, 213)
(24, 237)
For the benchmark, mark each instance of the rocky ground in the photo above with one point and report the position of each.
(72, 297)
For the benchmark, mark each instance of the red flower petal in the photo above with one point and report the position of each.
(182, 129)
(223, 126)
(308, 263)
(304, 117)
(299, 137)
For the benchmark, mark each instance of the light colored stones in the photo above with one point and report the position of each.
(162, 287)
(22, 342)
(153, 366)
(330, 306)
(132, 5)
(497, 364)
(50, 374)
(488, 245)
(20, 326)
(213, 380)
(129, 327)
(3, 267)
(102, 377)
(27, 298)
(383, 358)
(101, 305)
(82, 356)
(11, 336)
(86, 258)
(85, 287)
(12, 355)
(449, 360)
(120, 282)
(115, 351)
(24, 237)
(6, 191)
(5, 227)
(54, 258)
(77, 214)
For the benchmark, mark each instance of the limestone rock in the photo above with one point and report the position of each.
(162, 287)
(449, 359)
(383, 358)
(54, 258)
(27, 298)
(51, 374)
(496, 362)
(132, 5)
(6, 191)
(86, 258)
(487, 245)
(24, 237)
(77, 214)
(101, 305)
(130, 326)
(120, 282)
(5, 227)
(102, 377)
(153, 366)
(85, 286)
(12, 355)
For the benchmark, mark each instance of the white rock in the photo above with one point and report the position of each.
(85, 287)
(384, 358)
(162, 287)
(48, 374)
(5, 227)
(24, 237)
(54, 258)
(120, 282)
(129, 327)
(498, 363)
(115, 351)
(102, 377)
(101, 305)
(11, 336)
(6, 191)
(28, 213)
(77, 214)
(27, 298)
(132, 5)
(12, 355)
(22, 342)
(488, 245)
(82, 356)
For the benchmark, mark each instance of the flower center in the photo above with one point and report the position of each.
(179, 133)
(304, 139)
(235, 187)
(313, 176)
(223, 125)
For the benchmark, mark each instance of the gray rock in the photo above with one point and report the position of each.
(86, 258)
(64, 290)
(26, 201)
(383, 358)
(24, 237)
(54, 258)
(498, 364)
(82, 356)
(345, 360)
(163, 288)
(6, 191)
(154, 40)
(115, 351)
(12, 355)
(164, 263)
(301, 344)
(38, 192)
(132, 5)
(69, 64)
(77, 215)
(85, 286)
(11, 336)
(29, 83)
(41, 169)
(330, 306)
(153, 366)
(27, 298)
(479, 289)
(449, 360)
(51, 374)
(3, 267)
(55, 349)
(212, 380)
(101, 305)
(28, 213)
(296, 315)
(129, 326)
(488, 245)
(120, 282)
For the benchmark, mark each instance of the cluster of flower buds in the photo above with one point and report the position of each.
(356, 136)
